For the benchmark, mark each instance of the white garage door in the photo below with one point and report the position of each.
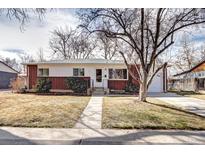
(157, 83)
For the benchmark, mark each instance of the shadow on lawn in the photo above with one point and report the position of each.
(95, 136)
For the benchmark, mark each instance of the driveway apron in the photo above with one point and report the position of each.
(194, 105)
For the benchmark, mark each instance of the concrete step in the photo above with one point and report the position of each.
(98, 93)
(99, 89)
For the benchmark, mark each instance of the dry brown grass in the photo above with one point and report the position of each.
(127, 112)
(28, 110)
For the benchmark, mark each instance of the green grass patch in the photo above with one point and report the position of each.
(126, 113)
(28, 110)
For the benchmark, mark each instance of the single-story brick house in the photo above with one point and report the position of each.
(6, 75)
(106, 74)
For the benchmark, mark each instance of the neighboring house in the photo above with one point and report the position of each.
(190, 80)
(6, 75)
(106, 74)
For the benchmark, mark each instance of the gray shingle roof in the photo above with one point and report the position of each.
(79, 61)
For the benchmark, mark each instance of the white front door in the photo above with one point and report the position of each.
(98, 79)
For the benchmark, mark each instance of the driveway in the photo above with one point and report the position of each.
(5, 90)
(15, 135)
(190, 104)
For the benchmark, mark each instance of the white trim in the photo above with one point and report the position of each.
(78, 71)
(118, 69)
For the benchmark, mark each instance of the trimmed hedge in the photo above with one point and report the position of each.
(44, 85)
(131, 88)
(77, 84)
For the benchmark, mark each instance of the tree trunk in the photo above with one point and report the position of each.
(143, 90)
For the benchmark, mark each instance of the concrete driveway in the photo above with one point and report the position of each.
(5, 90)
(194, 105)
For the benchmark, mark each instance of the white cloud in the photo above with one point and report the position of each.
(36, 32)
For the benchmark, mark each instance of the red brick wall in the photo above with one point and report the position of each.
(59, 82)
(32, 75)
(117, 84)
(121, 84)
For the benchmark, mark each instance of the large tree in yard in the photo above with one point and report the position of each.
(148, 32)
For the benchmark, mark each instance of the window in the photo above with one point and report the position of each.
(117, 73)
(43, 72)
(78, 71)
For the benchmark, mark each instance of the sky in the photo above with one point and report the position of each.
(36, 33)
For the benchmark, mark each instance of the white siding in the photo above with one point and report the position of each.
(5, 68)
(62, 70)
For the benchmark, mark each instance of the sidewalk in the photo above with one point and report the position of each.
(12, 135)
(92, 115)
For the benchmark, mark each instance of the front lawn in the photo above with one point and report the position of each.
(28, 110)
(128, 112)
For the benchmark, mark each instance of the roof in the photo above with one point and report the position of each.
(9, 67)
(78, 61)
(187, 71)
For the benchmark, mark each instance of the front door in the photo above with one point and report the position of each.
(98, 82)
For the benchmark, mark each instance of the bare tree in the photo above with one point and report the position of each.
(60, 42)
(188, 56)
(71, 44)
(11, 62)
(23, 15)
(26, 58)
(82, 45)
(202, 52)
(107, 46)
(149, 32)
(40, 55)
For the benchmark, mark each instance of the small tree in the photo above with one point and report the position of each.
(18, 85)
(188, 56)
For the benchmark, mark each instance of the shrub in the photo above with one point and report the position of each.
(77, 84)
(131, 87)
(18, 85)
(44, 85)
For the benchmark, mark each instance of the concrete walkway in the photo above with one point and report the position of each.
(12, 135)
(194, 105)
(92, 115)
